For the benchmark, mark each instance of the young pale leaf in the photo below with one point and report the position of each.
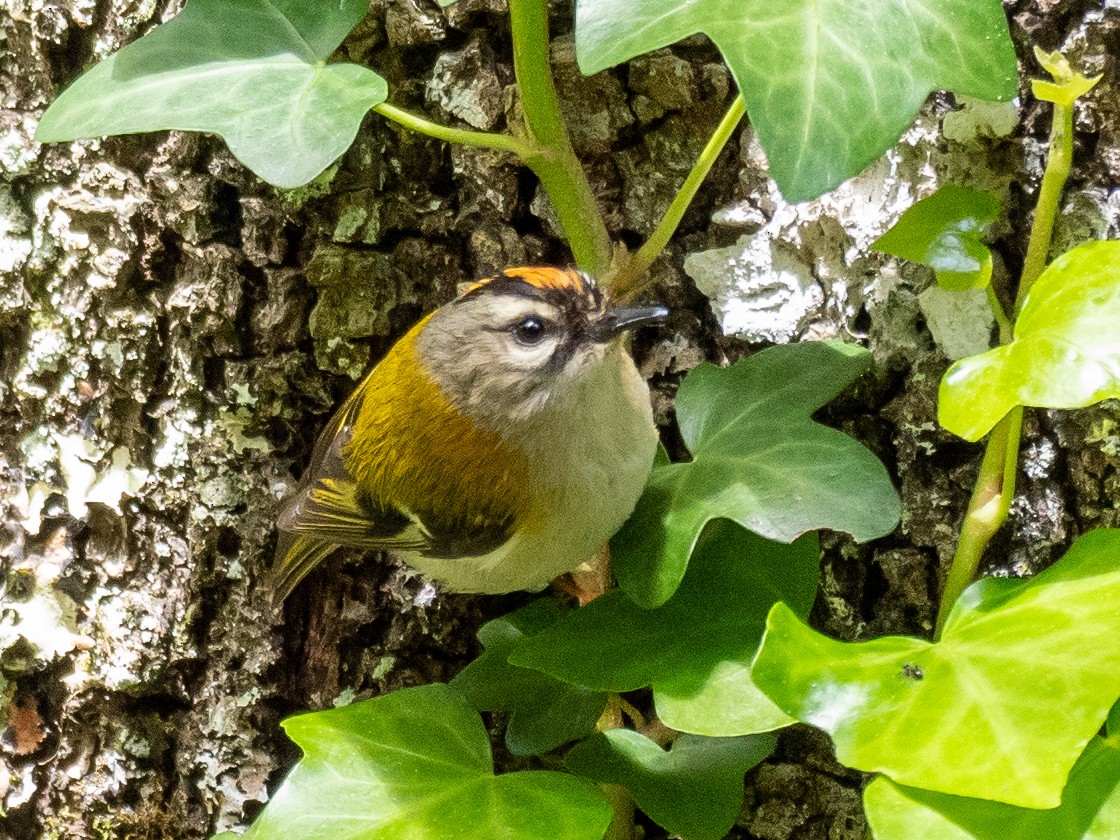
(1066, 351)
(943, 231)
(1090, 808)
(829, 84)
(759, 460)
(1068, 85)
(1020, 673)
(251, 71)
(545, 713)
(417, 763)
(695, 790)
(712, 623)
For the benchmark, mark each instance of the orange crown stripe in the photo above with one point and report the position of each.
(547, 277)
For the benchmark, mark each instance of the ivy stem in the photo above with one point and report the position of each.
(995, 485)
(987, 509)
(628, 281)
(622, 806)
(501, 142)
(1002, 321)
(1058, 161)
(622, 822)
(549, 152)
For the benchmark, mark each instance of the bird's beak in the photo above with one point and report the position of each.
(616, 321)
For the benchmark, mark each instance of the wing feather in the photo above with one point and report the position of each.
(422, 478)
(328, 510)
(296, 557)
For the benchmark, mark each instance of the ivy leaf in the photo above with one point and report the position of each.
(1019, 672)
(545, 712)
(712, 623)
(943, 232)
(695, 790)
(1090, 808)
(416, 763)
(1112, 725)
(720, 703)
(1068, 86)
(829, 85)
(251, 71)
(757, 459)
(1066, 351)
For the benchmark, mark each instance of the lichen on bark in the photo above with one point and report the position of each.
(173, 334)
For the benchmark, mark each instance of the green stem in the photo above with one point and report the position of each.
(987, 509)
(501, 142)
(627, 283)
(1058, 161)
(1002, 321)
(622, 806)
(549, 153)
(995, 486)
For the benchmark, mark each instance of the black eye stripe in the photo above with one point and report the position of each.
(569, 299)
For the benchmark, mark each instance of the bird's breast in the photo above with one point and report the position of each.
(592, 447)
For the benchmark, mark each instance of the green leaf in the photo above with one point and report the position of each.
(417, 763)
(1066, 351)
(829, 84)
(713, 623)
(759, 460)
(695, 790)
(251, 71)
(999, 708)
(545, 712)
(1090, 808)
(719, 703)
(944, 232)
(1068, 86)
(1112, 725)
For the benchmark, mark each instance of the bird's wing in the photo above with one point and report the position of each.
(328, 510)
(465, 497)
(295, 558)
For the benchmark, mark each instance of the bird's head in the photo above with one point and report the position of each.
(511, 344)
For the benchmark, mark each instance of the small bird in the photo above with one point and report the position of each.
(499, 443)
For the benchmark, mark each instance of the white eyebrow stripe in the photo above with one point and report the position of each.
(509, 308)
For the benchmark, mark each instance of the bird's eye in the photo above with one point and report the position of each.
(529, 331)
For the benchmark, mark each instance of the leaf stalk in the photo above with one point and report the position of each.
(1006, 329)
(995, 485)
(987, 509)
(628, 282)
(1058, 161)
(501, 142)
(622, 806)
(1068, 86)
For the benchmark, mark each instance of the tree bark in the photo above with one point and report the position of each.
(174, 333)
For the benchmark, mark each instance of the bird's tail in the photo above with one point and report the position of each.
(296, 556)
